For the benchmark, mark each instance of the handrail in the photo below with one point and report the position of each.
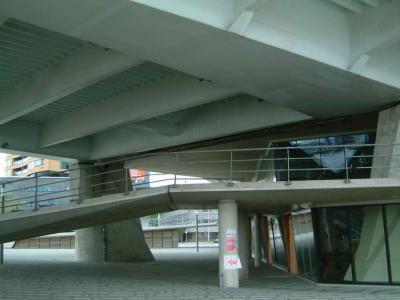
(225, 165)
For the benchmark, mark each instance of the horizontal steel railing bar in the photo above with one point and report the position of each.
(265, 159)
(66, 172)
(216, 171)
(160, 174)
(43, 200)
(84, 193)
(93, 185)
(262, 159)
(74, 189)
(70, 179)
(93, 192)
(349, 146)
(313, 169)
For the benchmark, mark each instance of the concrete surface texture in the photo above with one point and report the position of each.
(176, 274)
(116, 241)
(223, 67)
(265, 196)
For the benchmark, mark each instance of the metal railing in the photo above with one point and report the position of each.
(226, 166)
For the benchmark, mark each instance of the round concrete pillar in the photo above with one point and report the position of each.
(228, 245)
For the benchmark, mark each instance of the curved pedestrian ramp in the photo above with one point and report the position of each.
(273, 197)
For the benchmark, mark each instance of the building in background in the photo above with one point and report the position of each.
(166, 230)
(20, 165)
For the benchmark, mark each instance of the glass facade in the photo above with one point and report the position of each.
(304, 244)
(392, 213)
(358, 244)
(277, 243)
(313, 160)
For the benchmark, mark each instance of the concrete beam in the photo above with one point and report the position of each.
(225, 117)
(82, 68)
(359, 64)
(171, 94)
(245, 15)
(371, 3)
(160, 127)
(353, 6)
(22, 137)
(240, 25)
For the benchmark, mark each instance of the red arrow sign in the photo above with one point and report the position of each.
(231, 247)
(232, 262)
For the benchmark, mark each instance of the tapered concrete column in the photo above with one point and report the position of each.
(118, 241)
(244, 244)
(257, 241)
(228, 248)
(124, 241)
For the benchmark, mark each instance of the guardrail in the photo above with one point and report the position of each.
(228, 166)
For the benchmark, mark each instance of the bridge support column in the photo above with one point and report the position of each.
(257, 240)
(244, 244)
(229, 262)
(118, 241)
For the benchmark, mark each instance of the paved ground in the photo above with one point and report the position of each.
(177, 274)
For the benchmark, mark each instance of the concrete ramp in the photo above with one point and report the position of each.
(272, 197)
(91, 212)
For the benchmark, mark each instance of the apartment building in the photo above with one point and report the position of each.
(20, 165)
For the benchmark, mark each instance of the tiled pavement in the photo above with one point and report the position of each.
(177, 274)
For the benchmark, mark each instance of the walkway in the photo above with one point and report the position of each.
(177, 274)
(265, 196)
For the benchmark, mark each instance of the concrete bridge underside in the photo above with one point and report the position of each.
(271, 197)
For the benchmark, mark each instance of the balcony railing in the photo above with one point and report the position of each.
(225, 166)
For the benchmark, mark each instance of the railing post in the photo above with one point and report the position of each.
(288, 182)
(230, 182)
(176, 168)
(36, 207)
(2, 212)
(127, 177)
(347, 180)
(3, 200)
(197, 231)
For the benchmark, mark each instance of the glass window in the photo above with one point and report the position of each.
(320, 159)
(368, 244)
(352, 244)
(393, 230)
(304, 242)
(277, 242)
(334, 245)
(39, 162)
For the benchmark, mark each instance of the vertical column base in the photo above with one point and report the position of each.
(119, 241)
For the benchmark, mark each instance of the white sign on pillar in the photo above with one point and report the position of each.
(231, 240)
(232, 262)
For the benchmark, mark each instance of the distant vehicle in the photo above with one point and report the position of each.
(216, 241)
